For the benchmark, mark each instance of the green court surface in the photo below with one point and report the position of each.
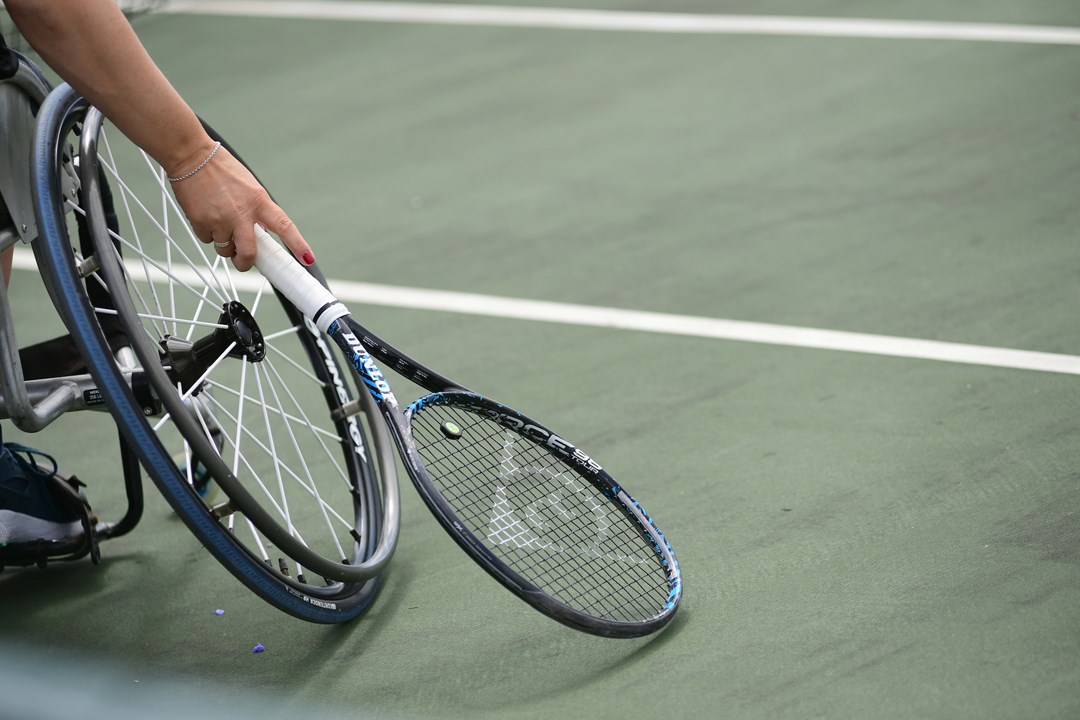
(862, 536)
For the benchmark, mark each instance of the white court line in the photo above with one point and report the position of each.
(686, 325)
(656, 22)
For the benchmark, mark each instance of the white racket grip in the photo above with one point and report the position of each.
(287, 275)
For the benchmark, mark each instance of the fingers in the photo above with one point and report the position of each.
(223, 247)
(239, 244)
(241, 250)
(280, 224)
(243, 256)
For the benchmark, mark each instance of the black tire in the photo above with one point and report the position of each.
(183, 420)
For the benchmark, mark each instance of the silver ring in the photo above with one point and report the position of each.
(225, 244)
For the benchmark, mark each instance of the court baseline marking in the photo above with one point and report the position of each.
(627, 21)
(663, 323)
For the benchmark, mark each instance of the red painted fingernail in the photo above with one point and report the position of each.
(308, 258)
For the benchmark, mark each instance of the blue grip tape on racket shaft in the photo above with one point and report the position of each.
(287, 275)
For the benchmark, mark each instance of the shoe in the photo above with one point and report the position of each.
(32, 507)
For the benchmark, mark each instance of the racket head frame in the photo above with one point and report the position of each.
(591, 471)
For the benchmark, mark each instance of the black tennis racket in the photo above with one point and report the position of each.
(532, 509)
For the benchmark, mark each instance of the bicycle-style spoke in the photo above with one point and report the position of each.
(305, 422)
(150, 277)
(174, 320)
(273, 453)
(328, 435)
(307, 471)
(284, 467)
(295, 365)
(124, 196)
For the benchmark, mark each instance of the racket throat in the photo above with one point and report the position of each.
(364, 365)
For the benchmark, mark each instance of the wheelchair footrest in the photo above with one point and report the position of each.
(41, 552)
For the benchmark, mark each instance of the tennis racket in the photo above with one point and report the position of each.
(532, 509)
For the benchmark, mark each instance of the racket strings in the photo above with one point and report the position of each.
(541, 516)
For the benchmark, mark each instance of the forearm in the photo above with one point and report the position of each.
(91, 45)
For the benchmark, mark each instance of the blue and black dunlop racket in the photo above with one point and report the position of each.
(541, 516)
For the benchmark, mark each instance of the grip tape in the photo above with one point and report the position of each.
(290, 278)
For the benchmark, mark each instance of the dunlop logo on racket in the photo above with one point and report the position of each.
(365, 364)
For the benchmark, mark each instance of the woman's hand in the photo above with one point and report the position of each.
(223, 202)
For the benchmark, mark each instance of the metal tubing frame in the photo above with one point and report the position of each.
(32, 405)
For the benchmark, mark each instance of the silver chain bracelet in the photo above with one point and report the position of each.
(185, 176)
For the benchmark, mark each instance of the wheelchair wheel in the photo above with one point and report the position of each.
(222, 383)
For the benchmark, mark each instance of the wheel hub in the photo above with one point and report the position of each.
(238, 337)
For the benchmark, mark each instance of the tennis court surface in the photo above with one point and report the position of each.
(808, 287)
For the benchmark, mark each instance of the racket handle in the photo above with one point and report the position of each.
(290, 278)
